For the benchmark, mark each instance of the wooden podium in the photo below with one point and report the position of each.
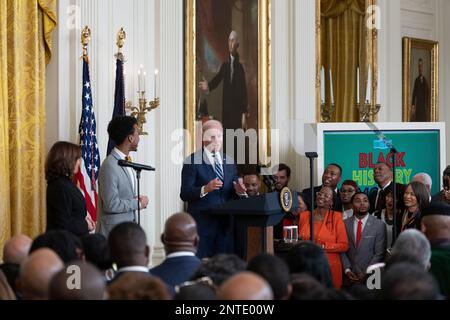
(256, 216)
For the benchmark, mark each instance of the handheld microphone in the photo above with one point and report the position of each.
(135, 166)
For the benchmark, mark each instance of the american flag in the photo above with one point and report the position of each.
(87, 176)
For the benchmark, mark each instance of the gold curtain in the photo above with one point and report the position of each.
(345, 45)
(25, 49)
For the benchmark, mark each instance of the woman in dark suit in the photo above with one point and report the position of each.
(66, 206)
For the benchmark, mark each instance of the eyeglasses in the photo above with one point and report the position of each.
(206, 281)
(324, 195)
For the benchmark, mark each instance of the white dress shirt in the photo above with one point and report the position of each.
(211, 160)
(180, 254)
(134, 269)
(231, 67)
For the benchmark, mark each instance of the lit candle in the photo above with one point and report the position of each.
(322, 85)
(144, 74)
(369, 85)
(139, 80)
(357, 84)
(331, 88)
(156, 81)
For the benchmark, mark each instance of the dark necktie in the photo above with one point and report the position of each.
(218, 167)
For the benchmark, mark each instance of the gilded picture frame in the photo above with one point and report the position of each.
(420, 80)
(197, 68)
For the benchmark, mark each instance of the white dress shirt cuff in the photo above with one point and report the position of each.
(347, 270)
(202, 192)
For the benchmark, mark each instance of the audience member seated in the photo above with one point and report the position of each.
(65, 244)
(180, 240)
(413, 243)
(367, 241)
(96, 251)
(329, 232)
(436, 227)
(36, 271)
(405, 281)
(306, 287)
(245, 285)
(444, 194)
(424, 178)
(348, 189)
(275, 271)
(307, 257)
(6, 292)
(330, 178)
(138, 286)
(15, 250)
(89, 286)
(416, 199)
(252, 183)
(219, 268)
(195, 291)
(129, 250)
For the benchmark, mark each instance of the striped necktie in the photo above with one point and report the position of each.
(218, 167)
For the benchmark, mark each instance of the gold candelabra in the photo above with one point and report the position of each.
(140, 111)
(326, 111)
(367, 111)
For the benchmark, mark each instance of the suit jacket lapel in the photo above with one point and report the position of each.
(117, 157)
(351, 222)
(210, 165)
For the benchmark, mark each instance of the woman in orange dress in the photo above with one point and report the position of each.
(329, 232)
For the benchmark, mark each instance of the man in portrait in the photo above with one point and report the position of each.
(232, 76)
(234, 95)
(420, 101)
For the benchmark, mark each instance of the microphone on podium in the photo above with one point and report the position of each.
(135, 166)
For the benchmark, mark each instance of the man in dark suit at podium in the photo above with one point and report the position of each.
(208, 179)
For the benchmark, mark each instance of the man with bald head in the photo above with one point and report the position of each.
(16, 249)
(36, 272)
(180, 241)
(209, 179)
(245, 286)
(63, 285)
(436, 227)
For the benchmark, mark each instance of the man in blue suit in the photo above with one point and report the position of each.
(180, 241)
(209, 179)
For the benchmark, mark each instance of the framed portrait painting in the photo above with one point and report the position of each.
(420, 80)
(227, 69)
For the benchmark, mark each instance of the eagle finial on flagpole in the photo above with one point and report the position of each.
(85, 38)
(120, 40)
